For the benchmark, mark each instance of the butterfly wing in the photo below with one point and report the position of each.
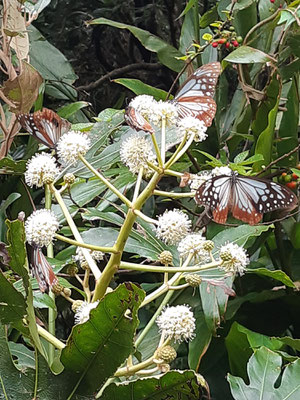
(216, 194)
(45, 125)
(136, 121)
(195, 97)
(254, 197)
(42, 270)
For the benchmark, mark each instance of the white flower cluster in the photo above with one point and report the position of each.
(193, 244)
(190, 125)
(40, 169)
(71, 145)
(135, 151)
(83, 312)
(96, 255)
(235, 259)
(177, 323)
(154, 111)
(41, 227)
(173, 225)
(196, 180)
(217, 171)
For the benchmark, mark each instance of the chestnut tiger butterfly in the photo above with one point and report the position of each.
(246, 198)
(45, 125)
(195, 97)
(136, 121)
(42, 270)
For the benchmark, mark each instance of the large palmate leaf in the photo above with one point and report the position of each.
(99, 346)
(264, 368)
(175, 385)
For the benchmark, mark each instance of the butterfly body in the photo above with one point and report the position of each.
(246, 198)
(195, 97)
(45, 125)
(136, 121)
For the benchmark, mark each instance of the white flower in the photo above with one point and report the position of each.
(177, 323)
(221, 171)
(40, 169)
(82, 314)
(196, 181)
(234, 258)
(190, 125)
(193, 244)
(145, 105)
(96, 255)
(173, 226)
(71, 145)
(135, 151)
(164, 109)
(41, 227)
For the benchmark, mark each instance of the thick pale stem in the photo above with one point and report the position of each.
(138, 184)
(181, 145)
(163, 140)
(106, 182)
(85, 245)
(157, 268)
(50, 338)
(157, 151)
(181, 152)
(87, 255)
(173, 195)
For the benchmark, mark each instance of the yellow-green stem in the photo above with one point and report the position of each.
(115, 259)
(157, 268)
(157, 151)
(50, 338)
(87, 255)
(173, 195)
(106, 182)
(138, 184)
(163, 140)
(182, 143)
(51, 312)
(85, 245)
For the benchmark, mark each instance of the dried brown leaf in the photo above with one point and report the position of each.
(16, 23)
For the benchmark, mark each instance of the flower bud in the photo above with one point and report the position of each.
(57, 288)
(193, 280)
(76, 305)
(166, 257)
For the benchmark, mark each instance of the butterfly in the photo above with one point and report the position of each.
(136, 121)
(45, 125)
(42, 270)
(246, 198)
(195, 97)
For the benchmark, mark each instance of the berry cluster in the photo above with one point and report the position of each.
(290, 179)
(227, 39)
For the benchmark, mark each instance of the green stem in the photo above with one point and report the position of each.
(87, 255)
(155, 268)
(50, 338)
(138, 184)
(125, 371)
(173, 195)
(181, 145)
(85, 245)
(173, 173)
(196, 22)
(106, 182)
(51, 312)
(36, 379)
(163, 140)
(115, 259)
(181, 152)
(157, 151)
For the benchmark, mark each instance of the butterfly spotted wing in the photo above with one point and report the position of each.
(195, 97)
(246, 198)
(45, 125)
(136, 121)
(42, 270)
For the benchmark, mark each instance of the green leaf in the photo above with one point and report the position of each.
(70, 109)
(138, 87)
(9, 166)
(24, 358)
(278, 275)
(209, 17)
(264, 368)
(99, 346)
(166, 53)
(241, 157)
(3, 207)
(188, 6)
(248, 55)
(199, 345)
(183, 385)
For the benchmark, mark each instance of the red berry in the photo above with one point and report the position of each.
(291, 185)
(272, 1)
(227, 45)
(295, 176)
(214, 44)
(222, 41)
(235, 43)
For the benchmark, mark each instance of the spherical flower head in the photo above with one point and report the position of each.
(190, 125)
(82, 313)
(221, 171)
(96, 255)
(164, 110)
(41, 227)
(40, 169)
(173, 225)
(145, 105)
(177, 323)
(196, 180)
(71, 145)
(135, 151)
(193, 245)
(234, 258)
